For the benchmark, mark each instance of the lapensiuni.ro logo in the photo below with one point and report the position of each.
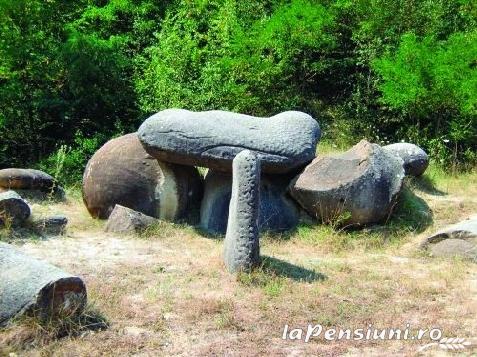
(433, 336)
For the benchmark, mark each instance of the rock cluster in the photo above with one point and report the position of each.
(262, 176)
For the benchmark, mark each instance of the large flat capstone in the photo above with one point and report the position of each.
(212, 139)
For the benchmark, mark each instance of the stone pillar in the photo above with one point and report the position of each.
(241, 245)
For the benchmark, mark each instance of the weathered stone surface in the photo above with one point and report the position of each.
(415, 159)
(459, 239)
(354, 188)
(212, 139)
(51, 226)
(241, 245)
(13, 209)
(30, 180)
(121, 172)
(126, 220)
(461, 230)
(28, 285)
(455, 248)
(278, 212)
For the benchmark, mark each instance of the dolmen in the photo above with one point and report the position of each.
(262, 175)
(32, 287)
(238, 150)
(31, 183)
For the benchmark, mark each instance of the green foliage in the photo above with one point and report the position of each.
(67, 163)
(210, 57)
(67, 67)
(434, 84)
(384, 70)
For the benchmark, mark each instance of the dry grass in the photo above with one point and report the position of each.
(166, 292)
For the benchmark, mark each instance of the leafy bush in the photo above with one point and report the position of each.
(384, 70)
(433, 84)
(67, 163)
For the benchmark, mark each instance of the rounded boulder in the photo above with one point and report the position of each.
(122, 173)
(415, 159)
(13, 209)
(34, 183)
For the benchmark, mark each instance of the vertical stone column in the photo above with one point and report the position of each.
(241, 245)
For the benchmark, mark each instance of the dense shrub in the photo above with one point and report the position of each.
(91, 69)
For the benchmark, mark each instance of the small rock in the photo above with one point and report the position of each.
(30, 286)
(354, 188)
(462, 230)
(284, 142)
(415, 159)
(126, 220)
(454, 247)
(13, 209)
(459, 239)
(241, 245)
(51, 226)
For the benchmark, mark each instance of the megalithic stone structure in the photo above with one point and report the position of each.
(241, 246)
(30, 286)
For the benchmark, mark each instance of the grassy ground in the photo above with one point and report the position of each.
(166, 292)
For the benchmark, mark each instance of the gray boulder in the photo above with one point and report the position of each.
(121, 172)
(13, 209)
(32, 183)
(354, 188)
(50, 226)
(278, 212)
(455, 248)
(284, 142)
(30, 286)
(415, 159)
(241, 245)
(459, 239)
(126, 220)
